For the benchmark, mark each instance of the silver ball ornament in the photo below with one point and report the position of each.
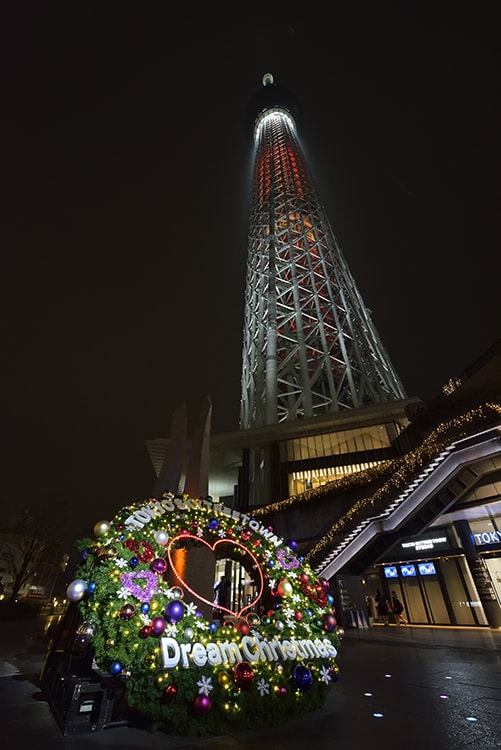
(76, 590)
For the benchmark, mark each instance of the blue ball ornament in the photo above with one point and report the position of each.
(213, 627)
(91, 587)
(133, 562)
(145, 608)
(213, 523)
(271, 563)
(301, 678)
(115, 668)
(292, 544)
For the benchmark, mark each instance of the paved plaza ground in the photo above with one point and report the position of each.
(399, 687)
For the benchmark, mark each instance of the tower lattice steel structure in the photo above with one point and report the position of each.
(309, 344)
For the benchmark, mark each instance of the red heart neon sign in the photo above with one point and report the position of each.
(213, 547)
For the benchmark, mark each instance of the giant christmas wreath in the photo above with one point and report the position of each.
(191, 674)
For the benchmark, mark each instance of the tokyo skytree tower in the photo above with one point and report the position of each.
(309, 344)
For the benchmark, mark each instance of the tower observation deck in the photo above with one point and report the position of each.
(309, 344)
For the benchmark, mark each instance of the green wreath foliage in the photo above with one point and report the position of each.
(292, 676)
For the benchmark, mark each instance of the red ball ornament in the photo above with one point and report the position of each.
(201, 705)
(298, 615)
(145, 631)
(329, 622)
(243, 675)
(281, 691)
(243, 627)
(303, 577)
(170, 693)
(127, 612)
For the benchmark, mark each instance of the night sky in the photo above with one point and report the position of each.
(126, 181)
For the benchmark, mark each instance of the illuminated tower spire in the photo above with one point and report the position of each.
(309, 344)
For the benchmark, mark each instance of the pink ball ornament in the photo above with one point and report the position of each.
(201, 705)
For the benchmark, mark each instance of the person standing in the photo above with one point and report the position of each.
(382, 607)
(398, 609)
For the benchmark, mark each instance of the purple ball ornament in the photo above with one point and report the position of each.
(158, 565)
(158, 626)
(174, 611)
(201, 705)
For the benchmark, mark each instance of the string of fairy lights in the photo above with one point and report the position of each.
(396, 474)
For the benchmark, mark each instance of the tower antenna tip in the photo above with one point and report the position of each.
(268, 79)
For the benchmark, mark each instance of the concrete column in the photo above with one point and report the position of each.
(480, 575)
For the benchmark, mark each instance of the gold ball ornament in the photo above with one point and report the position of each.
(101, 528)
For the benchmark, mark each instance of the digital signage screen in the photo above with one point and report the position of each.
(427, 569)
(391, 571)
(408, 570)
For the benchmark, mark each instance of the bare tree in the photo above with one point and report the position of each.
(26, 543)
